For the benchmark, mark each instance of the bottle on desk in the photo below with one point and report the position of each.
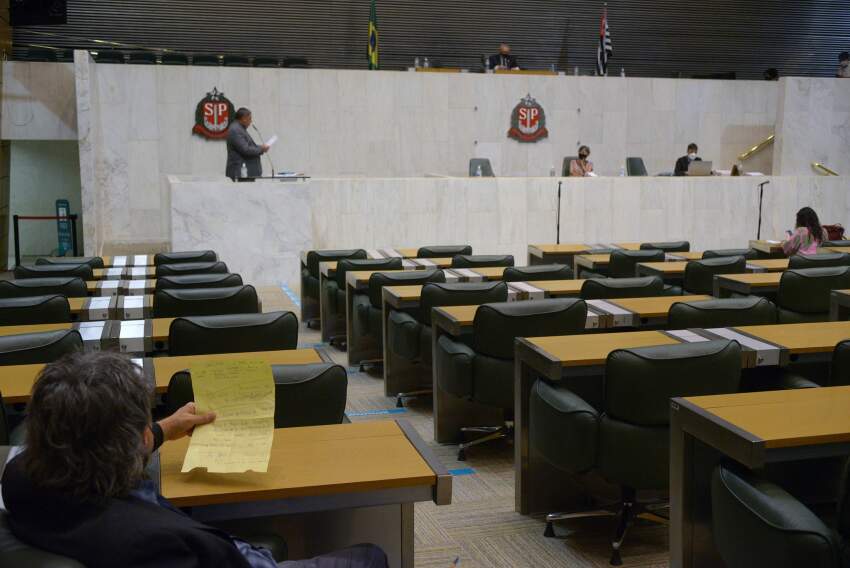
(623, 172)
(426, 64)
(478, 172)
(244, 172)
(552, 171)
(416, 63)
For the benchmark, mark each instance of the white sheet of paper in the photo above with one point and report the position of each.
(272, 140)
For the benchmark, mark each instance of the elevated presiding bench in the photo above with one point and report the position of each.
(556, 358)
(16, 380)
(328, 487)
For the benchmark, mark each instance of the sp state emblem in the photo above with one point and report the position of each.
(213, 115)
(528, 121)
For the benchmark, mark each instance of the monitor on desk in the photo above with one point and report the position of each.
(700, 168)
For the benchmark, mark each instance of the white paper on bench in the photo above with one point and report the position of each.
(131, 338)
(374, 254)
(534, 293)
(765, 354)
(119, 261)
(134, 307)
(99, 308)
(688, 336)
(425, 262)
(136, 287)
(772, 242)
(140, 260)
(114, 272)
(469, 275)
(92, 331)
(621, 316)
(139, 271)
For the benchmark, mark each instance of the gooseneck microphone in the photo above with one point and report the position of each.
(262, 139)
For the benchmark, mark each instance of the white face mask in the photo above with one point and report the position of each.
(692, 156)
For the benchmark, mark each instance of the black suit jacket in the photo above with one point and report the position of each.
(682, 165)
(508, 61)
(127, 532)
(242, 148)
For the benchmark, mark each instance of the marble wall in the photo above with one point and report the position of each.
(812, 125)
(260, 228)
(38, 101)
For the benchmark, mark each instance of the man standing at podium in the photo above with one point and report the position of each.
(503, 59)
(241, 148)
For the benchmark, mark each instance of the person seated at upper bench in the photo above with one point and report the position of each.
(503, 59)
(683, 163)
(79, 488)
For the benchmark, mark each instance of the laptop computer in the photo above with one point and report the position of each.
(700, 168)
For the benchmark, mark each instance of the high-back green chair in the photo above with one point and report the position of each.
(443, 251)
(798, 261)
(627, 440)
(83, 271)
(175, 303)
(673, 246)
(804, 294)
(537, 272)
(484, 372)
(223, 280)
(33, 310)
(310, 279)
(728, 312)
(233, 333)
(699, 274)
(622, 263)
(635, 167)
(305, 395)
(68, 286)
(368, 308)
(484, 164)
(409, 333)
(749, 254)
(93, 261)
(481, 260)
(183, 268)
(609, 288)
(184, 256)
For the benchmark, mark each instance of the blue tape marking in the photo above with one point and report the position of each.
(462, 471)
(378, 412)
(293, 298)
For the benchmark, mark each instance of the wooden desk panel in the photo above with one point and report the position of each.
(460, 316)
(657, 307)
(587, 350)
(592, 261)
(16, 382)
(845, 250)
(690, 255)
(552, 249)
(802, 337)
(559, 288)
(771, 264)
(19, 329)
(767, 247)
(755, 280)
(672, 269)
(490, 273)
(311, 461)
(628, 246)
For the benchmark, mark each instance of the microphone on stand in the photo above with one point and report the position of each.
(761, 198)
(558, 217)
(262, 138)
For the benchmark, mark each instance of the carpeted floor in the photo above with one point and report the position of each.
(480, 526)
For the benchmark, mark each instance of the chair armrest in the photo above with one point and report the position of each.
(454, 366)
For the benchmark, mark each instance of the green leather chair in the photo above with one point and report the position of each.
(842, 243)
(623, 263)
(41, 347)
(83, 271)
(235, 333)
(368, 308)
(443, 251)
(609, 288)
(35, 310)
(185, 256)
(674, 246)
(185, 268)
(758, 523)
(627, 440)
(635, 167)
(749, 254)
(68, 286)
(14, 552)
(93, 261)
(481, 260)
(305, 395)
(699, 274)
(333, 299)
(730, 312)
(798, 261)
(409, 333)
(565, 165)
(175, 303)
(804, 294)
(484, 372)
(310, 292)
(223, 280)
(537, 272)
(484, 164)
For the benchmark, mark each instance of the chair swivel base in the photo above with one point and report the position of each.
(399, 400)
(339, 341)
(490, 433)
(376, 363)
(314, 323)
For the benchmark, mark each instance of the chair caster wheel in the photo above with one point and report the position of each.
(550, 530)
(461, 455)
(399, 403)
(616, 560)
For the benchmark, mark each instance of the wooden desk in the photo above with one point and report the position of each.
(555, 254)
(127, 336)
(591, 261)
(677, 262)
(768, 265)
(768, 248)
(690, 255)
(666, 270)
(131, 273)
(120, 287)
(111, 308)
(839, 305)
(754, 429)
(16, 380)
(651, 311)
(757, 284)
(334, 486)
(845, 250)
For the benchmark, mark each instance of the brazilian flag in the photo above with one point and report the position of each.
(373, 38)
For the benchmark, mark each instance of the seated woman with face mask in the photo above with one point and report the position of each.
(582, 167)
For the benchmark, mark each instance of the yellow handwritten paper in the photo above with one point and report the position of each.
(241, 393)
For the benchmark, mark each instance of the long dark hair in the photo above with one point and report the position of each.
(85, 426)
(806, 217)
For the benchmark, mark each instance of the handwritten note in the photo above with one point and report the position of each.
(241, 393)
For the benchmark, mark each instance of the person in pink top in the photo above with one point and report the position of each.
(807, 235)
